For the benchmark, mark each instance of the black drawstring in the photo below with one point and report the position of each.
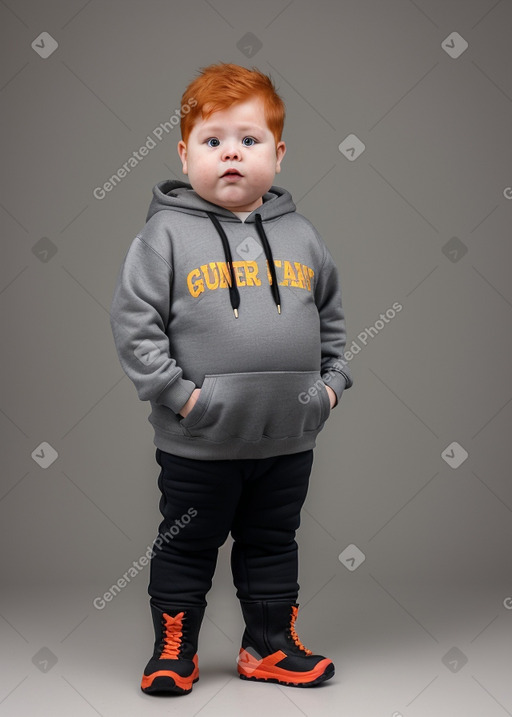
(234, 294)
(233, 288)
(268, 253)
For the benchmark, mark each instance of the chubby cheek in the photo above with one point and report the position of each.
(264, 176)
(200, 174)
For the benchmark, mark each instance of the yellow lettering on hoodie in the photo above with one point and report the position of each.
(311, 275)
(237, 268)
(214, 282)
(225, 279)
(308, 274)
(195, 283)
(289, 275)
(251, 274)
(277, 264)
(301, 284)
(215, 275)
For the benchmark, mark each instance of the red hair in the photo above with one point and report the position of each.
(219, 86)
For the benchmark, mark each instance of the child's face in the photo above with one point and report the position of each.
(239, 139)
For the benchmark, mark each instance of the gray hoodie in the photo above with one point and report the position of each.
(249, 312)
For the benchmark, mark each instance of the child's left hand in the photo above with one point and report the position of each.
(332, 396)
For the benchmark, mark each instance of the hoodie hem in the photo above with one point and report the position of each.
(233, 448)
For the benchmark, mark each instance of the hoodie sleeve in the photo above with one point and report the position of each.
(335, 371)
(139, 316)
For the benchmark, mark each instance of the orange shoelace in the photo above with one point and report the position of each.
(172, 636)
(295, 637)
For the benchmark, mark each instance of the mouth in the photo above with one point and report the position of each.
(232, 172)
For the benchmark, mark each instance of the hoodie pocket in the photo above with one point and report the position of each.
(259, 404)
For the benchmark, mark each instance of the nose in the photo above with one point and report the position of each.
(231, 151)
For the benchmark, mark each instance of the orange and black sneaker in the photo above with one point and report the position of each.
(173, 669)
(272, 651)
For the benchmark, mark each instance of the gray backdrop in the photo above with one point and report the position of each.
(398, 136)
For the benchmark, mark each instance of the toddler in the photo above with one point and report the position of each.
(227, 317)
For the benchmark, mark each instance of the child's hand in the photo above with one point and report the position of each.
(191, 402)
(332, 396)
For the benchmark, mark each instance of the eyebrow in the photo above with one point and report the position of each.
(243, 128)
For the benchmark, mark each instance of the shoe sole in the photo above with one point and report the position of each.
(169, 681)
(269, 677)
(165, 684)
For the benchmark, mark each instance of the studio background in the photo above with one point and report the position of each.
(399, 152)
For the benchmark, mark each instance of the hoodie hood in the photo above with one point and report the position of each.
(178, 195)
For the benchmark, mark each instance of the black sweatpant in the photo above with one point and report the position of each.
(258, 500)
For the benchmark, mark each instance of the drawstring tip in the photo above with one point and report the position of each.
(278, 308)
(235, 311)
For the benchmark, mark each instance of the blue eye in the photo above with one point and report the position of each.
(248, 141)
(212, 142)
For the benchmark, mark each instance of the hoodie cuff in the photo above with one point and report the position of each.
(176, 394)
(337, 382)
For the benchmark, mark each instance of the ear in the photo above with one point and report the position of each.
(280, 152)
(182, 151)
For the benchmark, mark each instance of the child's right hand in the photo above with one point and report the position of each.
(190, 403)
